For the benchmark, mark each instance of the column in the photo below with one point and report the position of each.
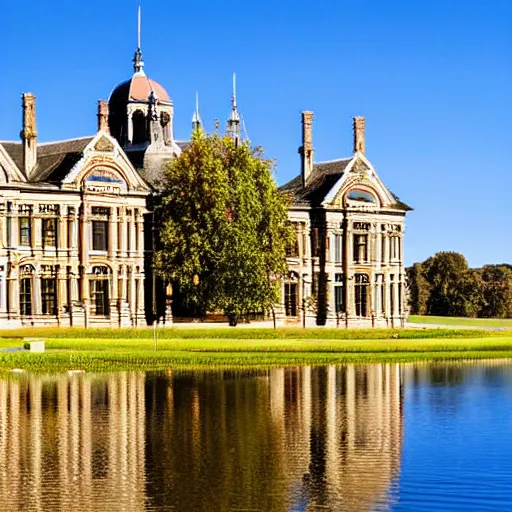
(62, 239)
(133, 233)
(14, 226)
(13, 291)
(378, 249)
(122, 233)
(396, 297)
(385, 306)
(386, 249)
(132, 297)
(140, 236)
(130, 127)
(112, 232)
(36, 295)
(62, 298)
(349, 281)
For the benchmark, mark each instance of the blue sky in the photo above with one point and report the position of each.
(433, 78)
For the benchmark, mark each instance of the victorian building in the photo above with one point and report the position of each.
(76, 229)
(346, 268)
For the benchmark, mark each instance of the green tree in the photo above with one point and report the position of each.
(454, 288)
(496, 282)
(223, 227)
(419, 289)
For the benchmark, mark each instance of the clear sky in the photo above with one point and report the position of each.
(432, 77)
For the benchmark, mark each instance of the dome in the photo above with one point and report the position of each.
(138, 88)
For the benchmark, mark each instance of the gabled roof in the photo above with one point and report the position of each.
(322, 181)
(54, 159)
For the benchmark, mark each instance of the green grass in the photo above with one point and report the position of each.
(128, 349)
(461, 321)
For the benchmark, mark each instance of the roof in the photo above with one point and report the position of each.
(153, 174)
(320, 182)
(54, 159)
(138, 88)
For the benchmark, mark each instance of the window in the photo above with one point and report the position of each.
(49, 232)
(316, 242)
(27, 275)
(25, 238)
(339, 293)
(99, 291)
(128, 230)
(361, 285)
(290, 299)
(99, 235)
(49, 295)
(292, 250)
(338, 248)
(135, 218)
(139, 127)
(361, 195)
(360, 248)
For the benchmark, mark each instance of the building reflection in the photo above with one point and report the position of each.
(292, 439)
(67, 442)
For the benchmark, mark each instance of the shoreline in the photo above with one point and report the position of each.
(108, 350)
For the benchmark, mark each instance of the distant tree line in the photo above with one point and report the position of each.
(444, 285)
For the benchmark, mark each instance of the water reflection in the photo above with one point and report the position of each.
(292, 439)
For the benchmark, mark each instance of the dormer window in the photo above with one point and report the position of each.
(362, 196)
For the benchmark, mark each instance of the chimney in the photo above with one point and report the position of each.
(103, 116)
(359, 124)
(306, 150)
(29, 132)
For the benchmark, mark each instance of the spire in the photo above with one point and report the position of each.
(196, 118)
(138, 64)
(234, 118)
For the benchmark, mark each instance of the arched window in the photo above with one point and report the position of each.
(139, 127)
(362, 286)
(362, 196)
(26, 289)
(99, 290)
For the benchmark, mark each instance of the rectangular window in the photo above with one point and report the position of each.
(25, 232)
(26, 296)
(316, 242)
(383, 248)
(338, 248)
(339, 293)
(49, 232)
(290, 299)
(361, 294)
(292, 250)
(100, 235)
(49, 296)
(360, 249)
(99, 297)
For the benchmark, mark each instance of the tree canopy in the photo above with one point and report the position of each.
(444, 285)
(223, 227)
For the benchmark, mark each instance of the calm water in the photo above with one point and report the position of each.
(355, 438)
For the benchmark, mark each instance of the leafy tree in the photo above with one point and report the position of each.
(419, 289)
(496, 283)
(223, 227)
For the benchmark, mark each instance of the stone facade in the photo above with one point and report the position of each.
(71, 231)
(346, 268)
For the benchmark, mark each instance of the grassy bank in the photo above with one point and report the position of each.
(111, 350)
(505, 323)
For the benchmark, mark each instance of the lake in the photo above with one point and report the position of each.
(416, 437)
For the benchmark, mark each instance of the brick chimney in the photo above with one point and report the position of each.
(103, 116)
(306, 150)
(359, 124)
(29, 132)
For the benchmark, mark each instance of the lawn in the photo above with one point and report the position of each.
(505, 323)
(131, 349)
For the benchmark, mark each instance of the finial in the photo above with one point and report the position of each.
(138, 64)
(196, 118)
(234, 118)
